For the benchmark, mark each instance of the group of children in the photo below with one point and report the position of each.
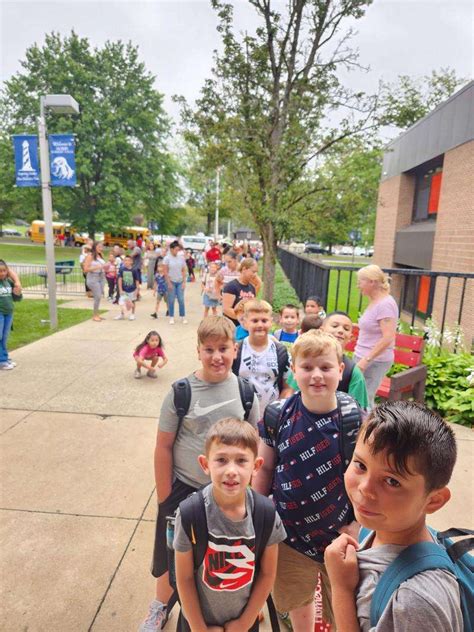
(321, 481)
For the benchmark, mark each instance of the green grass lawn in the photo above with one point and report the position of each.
(27, 325)
(36, 253)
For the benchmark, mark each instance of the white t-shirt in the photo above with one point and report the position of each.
(261, 369)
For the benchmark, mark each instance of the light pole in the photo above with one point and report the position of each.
(216, 221)
(59, 104)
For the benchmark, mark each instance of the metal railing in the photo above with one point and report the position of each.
(34, 278)
(420, 294)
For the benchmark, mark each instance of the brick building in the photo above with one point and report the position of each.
(425, 212)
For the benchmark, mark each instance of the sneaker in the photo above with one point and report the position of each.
(171, 321)
(155, 619)
(137, 374)
(131, 317)
(6, 366)
(184, 321)
(152, 373)
(154, 315)
(13, 364)
(119, 317)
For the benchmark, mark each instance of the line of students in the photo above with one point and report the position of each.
(389, 482)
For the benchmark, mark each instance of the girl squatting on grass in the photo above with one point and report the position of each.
(148, 355)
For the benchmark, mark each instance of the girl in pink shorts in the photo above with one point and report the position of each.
(150, 354)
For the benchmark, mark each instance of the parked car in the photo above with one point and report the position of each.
(8, 232)
(315, 249)
(21, 222)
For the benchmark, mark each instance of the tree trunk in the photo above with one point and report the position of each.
(269, 261)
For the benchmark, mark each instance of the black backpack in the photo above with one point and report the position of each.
(194, 523)
(349, 413)
(282, 358)
(182, 397)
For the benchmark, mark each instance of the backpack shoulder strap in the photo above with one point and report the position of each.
(247, 393)
(272, 418)
(181, 399)
(194, 522)
(283, 362)
(351, 419)
(415, 559)
(349, 365)
(238, 358)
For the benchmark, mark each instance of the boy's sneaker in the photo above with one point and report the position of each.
(119, 317)
(6, 366)
(154, 315)
(137, 374)
(184, 321)
(171, 321)
(13, 364)
(155, 619)
(151, 373)
(131, 317)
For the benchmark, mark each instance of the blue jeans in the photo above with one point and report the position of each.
(5, 326)
(176, 291)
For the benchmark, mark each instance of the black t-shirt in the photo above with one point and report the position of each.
(239, 291)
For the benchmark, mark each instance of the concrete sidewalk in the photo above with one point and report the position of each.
(77, 497)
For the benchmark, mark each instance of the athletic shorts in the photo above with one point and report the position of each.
(296, 581)
(179, 491)
(125, 297)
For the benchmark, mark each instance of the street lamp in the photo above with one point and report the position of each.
(59, 104)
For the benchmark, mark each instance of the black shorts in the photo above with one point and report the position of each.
(179, 491)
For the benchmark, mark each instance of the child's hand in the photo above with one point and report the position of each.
(341, 563)
(235, 625)
(215, 628)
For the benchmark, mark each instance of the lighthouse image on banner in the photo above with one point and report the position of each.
(26, 160)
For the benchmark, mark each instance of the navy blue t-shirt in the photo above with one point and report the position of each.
(129, 278)
(308, 482)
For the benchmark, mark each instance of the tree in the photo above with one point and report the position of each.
(263, 109)
(406, 101)
(123, 167)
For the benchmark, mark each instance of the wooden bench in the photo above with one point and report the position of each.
(411, 381)
(60, 267)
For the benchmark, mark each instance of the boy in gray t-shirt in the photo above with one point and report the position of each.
(227, 590)
(402, 463)
(215, 395)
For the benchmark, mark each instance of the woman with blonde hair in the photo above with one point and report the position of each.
(377, 328)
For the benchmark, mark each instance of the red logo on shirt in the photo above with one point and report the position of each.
(229, 563)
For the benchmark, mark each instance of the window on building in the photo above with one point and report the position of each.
(416, 295)
(428, 187)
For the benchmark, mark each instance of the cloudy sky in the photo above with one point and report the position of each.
(176, 38)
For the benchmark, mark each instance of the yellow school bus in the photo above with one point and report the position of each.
(62, 232)
(122, 235)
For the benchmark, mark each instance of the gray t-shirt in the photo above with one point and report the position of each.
(210, 402)
(175, 267)
(224, 580)
(427, 601)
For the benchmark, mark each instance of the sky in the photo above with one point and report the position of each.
(176, 39)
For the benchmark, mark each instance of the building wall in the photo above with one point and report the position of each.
(453, 249)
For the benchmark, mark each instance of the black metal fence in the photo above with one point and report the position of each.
(448, 297)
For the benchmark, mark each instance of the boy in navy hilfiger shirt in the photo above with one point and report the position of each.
(303, 468)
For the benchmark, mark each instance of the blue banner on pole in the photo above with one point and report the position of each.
(27, 171)
(62, 160)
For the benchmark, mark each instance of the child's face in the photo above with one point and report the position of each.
(318, 375)
(213, 268)
(111, 257)
(383, 499)
(127, 262)
(311, 307)
(340, 327)
(230, 468)
(216, 356)
(153, 341)
(258, 324)
(3, 273)
(289, 320)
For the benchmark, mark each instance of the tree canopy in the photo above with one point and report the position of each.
(123, 165)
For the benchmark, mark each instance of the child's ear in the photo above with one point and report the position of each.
(341, 370)
(258, 464)
(235, 350)
(203, 462)
(437, 499)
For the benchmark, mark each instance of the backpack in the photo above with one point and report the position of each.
(347, 374)
(282, 359)
(194, 523)
(349, 414)
(423, 556)
(182, 397)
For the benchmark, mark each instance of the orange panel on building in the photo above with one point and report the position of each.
(434, 192)
(423, 294)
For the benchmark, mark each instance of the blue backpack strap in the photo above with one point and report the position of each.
(417, 558)
(364, 533)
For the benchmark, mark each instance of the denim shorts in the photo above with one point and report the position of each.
(209, 302)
